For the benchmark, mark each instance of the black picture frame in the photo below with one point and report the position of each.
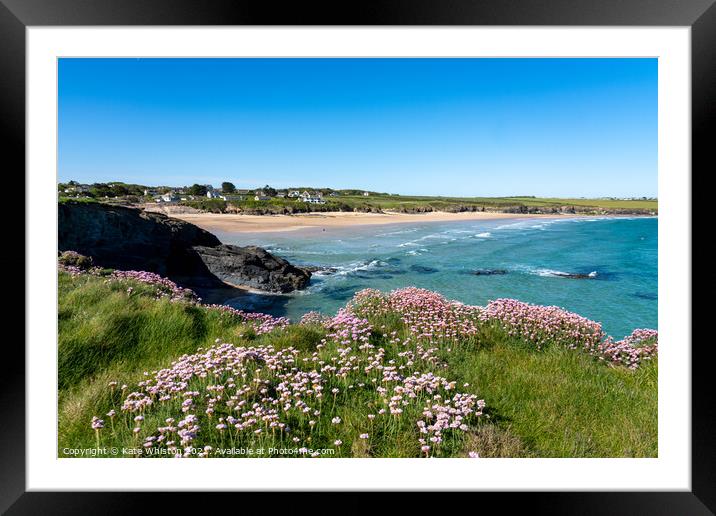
(16, 15)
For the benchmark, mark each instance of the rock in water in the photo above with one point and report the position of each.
(131, 239)
(488, 272)
(252, 267)
(423, 269)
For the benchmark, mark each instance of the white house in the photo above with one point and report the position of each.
(311, 195)
(366, 194)
(294, 193)
(169, 197)
(261, 198)
(77, 188)
(313, 200)
(212, 194)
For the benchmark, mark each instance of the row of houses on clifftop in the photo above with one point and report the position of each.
(307, 196)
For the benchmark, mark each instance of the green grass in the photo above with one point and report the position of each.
(561, 403)
(64, 198)
(599, 203)
(549, 403)
(393, 202)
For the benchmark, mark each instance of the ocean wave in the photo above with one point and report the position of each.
(447, 235)
(552, 273)
(322, 252)
(458, 231)
(363, 265)
(514, 225)
(400, 232)
(276, 249)
(485, 234)
(328, 271)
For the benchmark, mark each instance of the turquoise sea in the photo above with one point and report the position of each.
(621, 254)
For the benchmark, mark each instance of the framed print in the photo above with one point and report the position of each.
(444, 249)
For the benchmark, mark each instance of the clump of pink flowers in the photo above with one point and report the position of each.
(429, 316)
(314, 318)
(165, 287)
(543, 325)
(641, 345)
(262, 323)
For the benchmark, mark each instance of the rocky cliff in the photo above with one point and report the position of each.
(252, 267)
(131, 239)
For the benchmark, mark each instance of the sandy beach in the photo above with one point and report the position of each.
(232, 223)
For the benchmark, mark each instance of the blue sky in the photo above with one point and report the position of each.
(468, 127)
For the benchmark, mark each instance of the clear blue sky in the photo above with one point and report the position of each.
(469, 127)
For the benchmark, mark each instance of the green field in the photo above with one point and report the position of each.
(599, 203)
(396, 201)
(552, 402)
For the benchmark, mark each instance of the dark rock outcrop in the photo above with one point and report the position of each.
(488, 272)
(252, 267)
(423, 269)
(131, 239)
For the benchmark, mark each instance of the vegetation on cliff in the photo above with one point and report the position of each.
(422, 204)
(356, 200)
(144, 366)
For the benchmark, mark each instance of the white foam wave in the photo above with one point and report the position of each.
(549, 272)
(401, 232)
(544, 272)
(363, 265)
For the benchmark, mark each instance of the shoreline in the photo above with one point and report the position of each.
(237, 223)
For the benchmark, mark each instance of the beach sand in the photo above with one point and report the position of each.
(232, 223)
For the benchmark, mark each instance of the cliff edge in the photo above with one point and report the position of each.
(130, 239)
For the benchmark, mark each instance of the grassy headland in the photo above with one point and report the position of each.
(395, 375)
(421, 204)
